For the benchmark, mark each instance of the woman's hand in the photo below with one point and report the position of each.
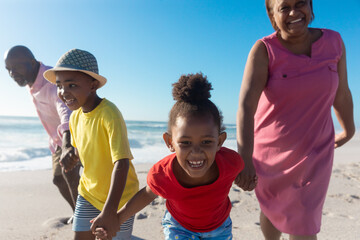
(342, 138)
(247, 179)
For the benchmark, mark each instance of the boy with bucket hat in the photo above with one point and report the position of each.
(99, 135)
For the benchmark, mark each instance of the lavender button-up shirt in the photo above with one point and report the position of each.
(53, 113)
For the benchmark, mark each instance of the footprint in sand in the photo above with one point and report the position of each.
(56, 222)
(143, 215)
(346, 197)
(333, 215)
(235, 203)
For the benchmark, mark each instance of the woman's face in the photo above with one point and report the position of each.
(292, 17)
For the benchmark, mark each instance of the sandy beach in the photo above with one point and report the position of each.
(31, 206)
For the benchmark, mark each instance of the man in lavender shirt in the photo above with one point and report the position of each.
(54, 116)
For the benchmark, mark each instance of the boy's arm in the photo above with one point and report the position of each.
(140, 200)
(108, 218)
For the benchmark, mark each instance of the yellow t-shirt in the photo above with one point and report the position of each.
(100, 137)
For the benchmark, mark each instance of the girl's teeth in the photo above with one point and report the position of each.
(196, 163)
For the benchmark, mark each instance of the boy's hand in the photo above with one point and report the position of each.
(68, 159)
(109, 222)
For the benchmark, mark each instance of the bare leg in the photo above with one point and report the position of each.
(312, 237)
(84, 236)
(72, 180)
(268, 229)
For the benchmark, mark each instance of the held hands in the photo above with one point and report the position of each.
(101, 233)
(68, 159)
(105, 225)
(247, 179)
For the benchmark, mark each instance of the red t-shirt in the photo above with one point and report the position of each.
(202, 208)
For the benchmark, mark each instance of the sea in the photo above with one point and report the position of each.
(24, 143)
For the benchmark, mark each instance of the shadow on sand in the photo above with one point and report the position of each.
(136, 238)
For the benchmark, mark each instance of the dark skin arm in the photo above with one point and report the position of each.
(69, 158)
(140, 200)
(253, 83)
(108, 217)
(343, 104)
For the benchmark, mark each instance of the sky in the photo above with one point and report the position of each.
(143, 46)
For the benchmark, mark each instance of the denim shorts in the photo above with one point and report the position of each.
(85, 211)
(173, 230)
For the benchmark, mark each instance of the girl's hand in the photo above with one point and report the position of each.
(247, 179)
(108, 222)
(100, 233)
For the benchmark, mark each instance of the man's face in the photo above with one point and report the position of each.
(20, 69)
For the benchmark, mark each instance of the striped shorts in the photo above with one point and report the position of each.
(85, 211)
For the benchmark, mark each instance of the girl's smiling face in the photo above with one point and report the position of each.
(291, 17)
(195, 141)
(76, 89)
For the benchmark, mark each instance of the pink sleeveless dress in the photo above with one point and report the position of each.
(294, 133)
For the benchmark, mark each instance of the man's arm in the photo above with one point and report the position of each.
(68, 159)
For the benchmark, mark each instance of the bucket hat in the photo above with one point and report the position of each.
(76, 60)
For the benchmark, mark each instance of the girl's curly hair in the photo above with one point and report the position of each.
(191, 93)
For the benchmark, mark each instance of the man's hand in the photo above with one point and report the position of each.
(68, 159)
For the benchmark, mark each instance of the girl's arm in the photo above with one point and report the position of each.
(107, 219)
(253, 83)
(343, 104)
(140, 200)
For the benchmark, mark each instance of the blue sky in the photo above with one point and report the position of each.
(143, 46)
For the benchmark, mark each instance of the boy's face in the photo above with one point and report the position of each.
(76, 89)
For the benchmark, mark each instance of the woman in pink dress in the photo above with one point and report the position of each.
(285, 131)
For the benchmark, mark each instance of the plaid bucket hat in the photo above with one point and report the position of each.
(76, 60)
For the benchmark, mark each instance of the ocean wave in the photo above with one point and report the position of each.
(135, 143)
(23, 154)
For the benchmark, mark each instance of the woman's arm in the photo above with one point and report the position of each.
(253, 83)
(343, 104)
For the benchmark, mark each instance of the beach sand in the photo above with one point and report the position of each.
(32, 208)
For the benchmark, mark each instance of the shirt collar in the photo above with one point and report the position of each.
(39, 81)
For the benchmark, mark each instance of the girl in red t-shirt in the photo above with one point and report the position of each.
(196, 179)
